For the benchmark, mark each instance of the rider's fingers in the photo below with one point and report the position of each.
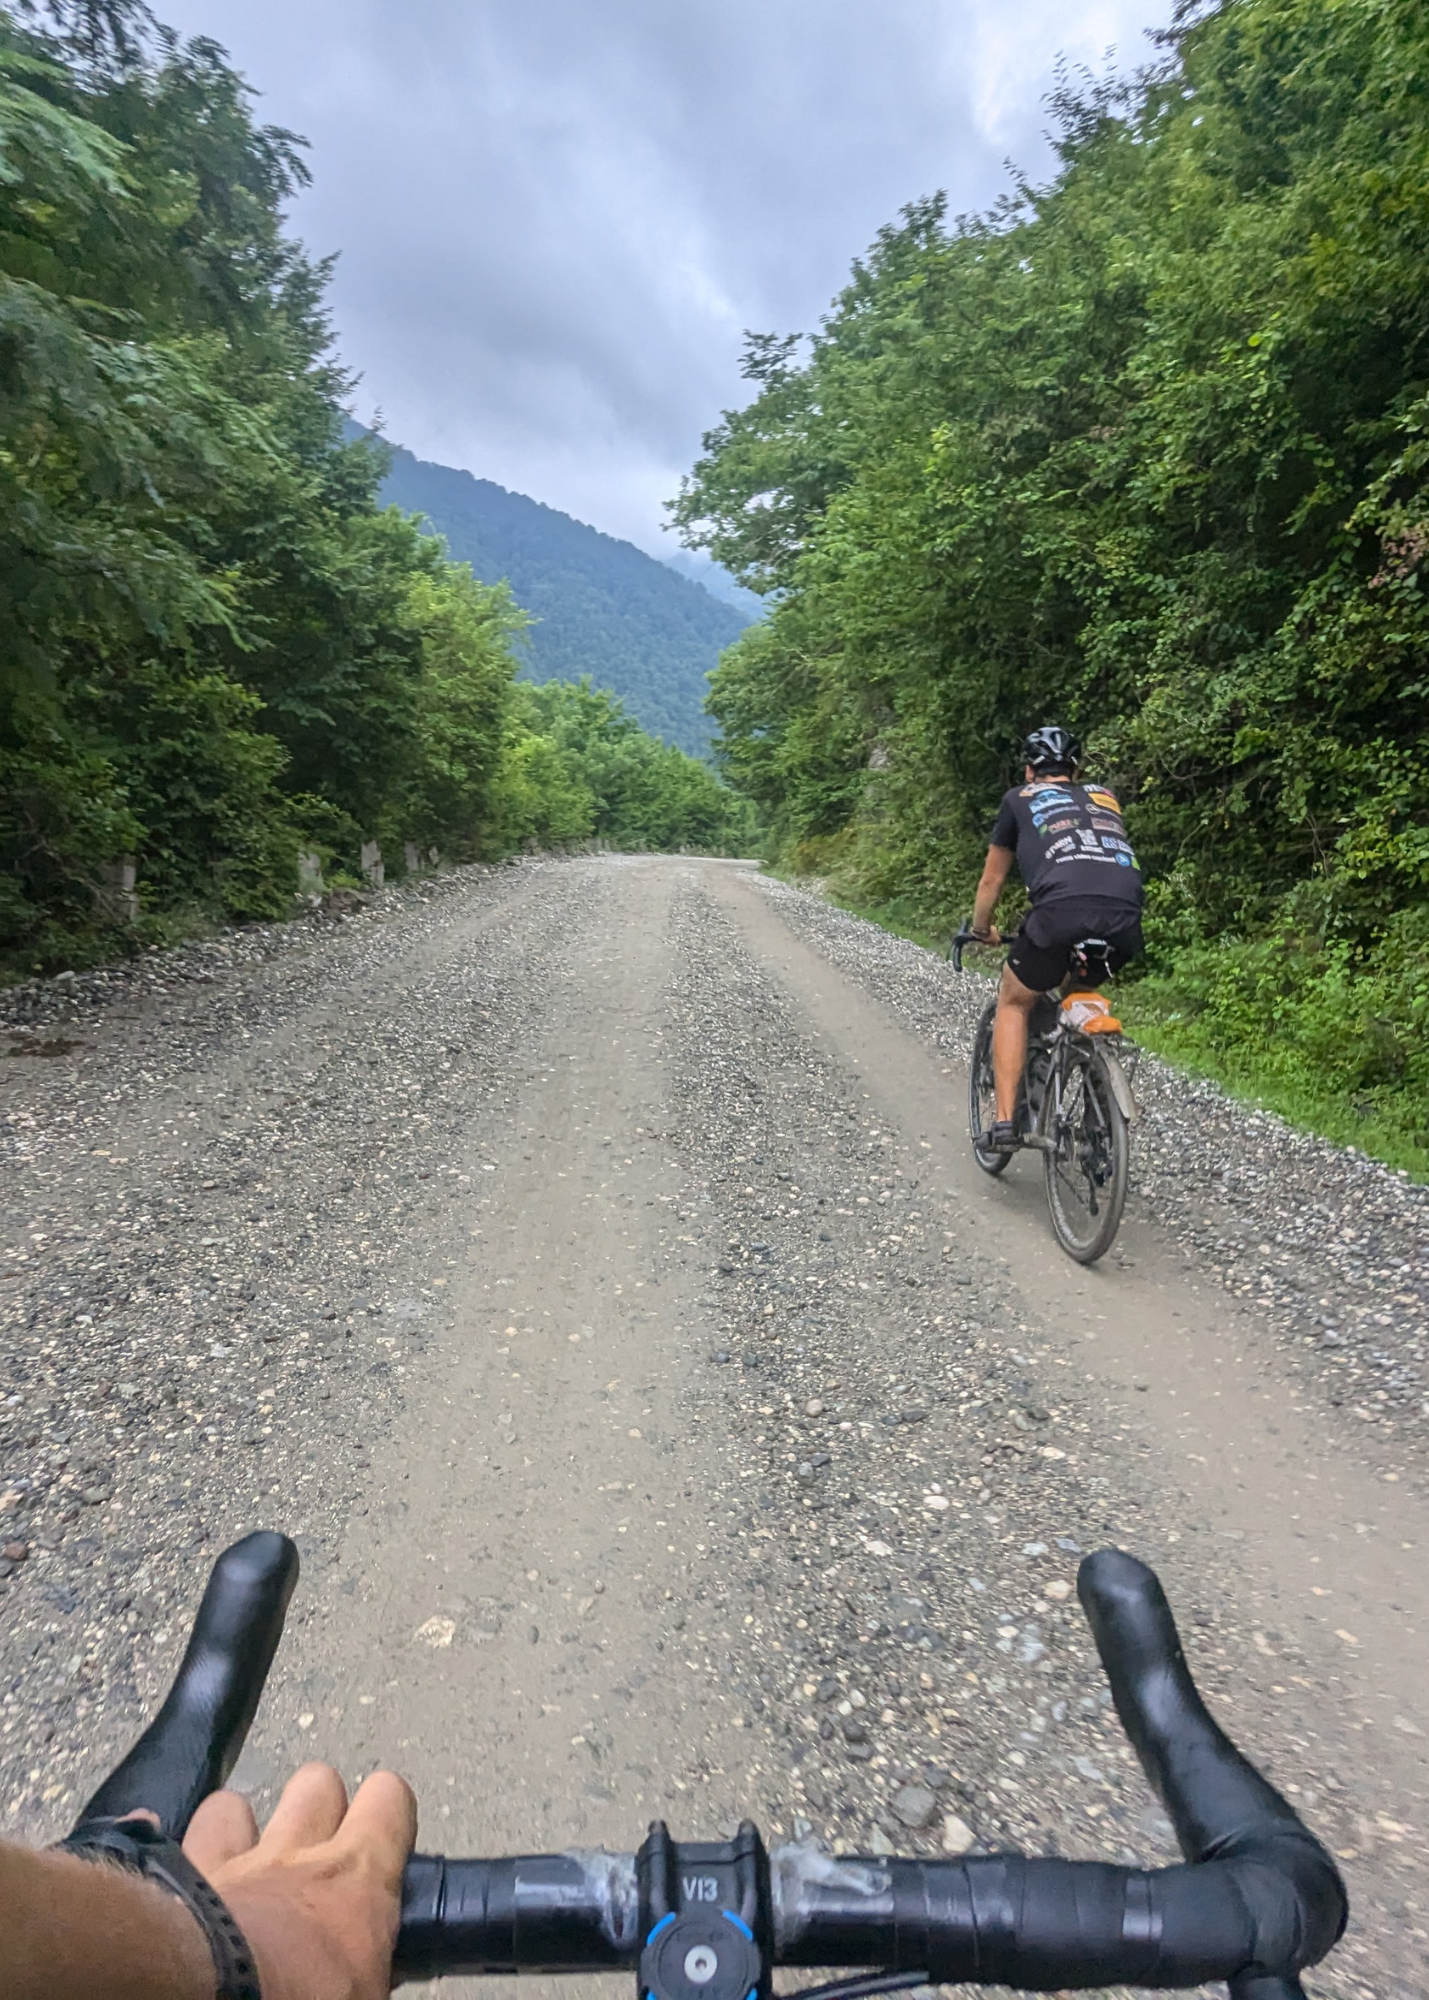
(310, 1810)
(383, 1820)
(221, 1830)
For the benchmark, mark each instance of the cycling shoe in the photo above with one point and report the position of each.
(1000, 1137)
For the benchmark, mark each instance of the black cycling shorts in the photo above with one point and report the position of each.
(1041, 953)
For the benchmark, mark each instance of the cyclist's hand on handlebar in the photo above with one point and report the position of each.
(992, 935)
(317, 1895)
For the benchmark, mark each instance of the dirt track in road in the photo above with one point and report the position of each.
(586, 1264)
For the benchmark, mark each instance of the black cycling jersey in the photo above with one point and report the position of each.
(1070, 840)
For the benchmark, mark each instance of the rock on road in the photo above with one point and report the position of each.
(584, 1261)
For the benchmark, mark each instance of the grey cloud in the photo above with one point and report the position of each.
(556, 217)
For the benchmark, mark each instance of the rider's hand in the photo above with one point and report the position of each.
(318, 1894)
(991, 935)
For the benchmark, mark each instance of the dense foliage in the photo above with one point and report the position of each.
(216, 648)
(1145, 451)
(600, 608)
(578, 768)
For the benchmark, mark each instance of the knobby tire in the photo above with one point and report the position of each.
(1090, 1161)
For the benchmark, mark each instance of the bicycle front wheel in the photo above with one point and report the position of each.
(982, 1096)
(1087, 1160)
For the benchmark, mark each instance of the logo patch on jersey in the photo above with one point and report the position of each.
(1106, 800)
(1044, 809)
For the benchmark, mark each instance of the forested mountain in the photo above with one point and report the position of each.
(1146, 451)
(597, 606)
(218, 649)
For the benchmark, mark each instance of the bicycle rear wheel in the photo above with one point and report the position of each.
(1088, 1159)
(982, 1098)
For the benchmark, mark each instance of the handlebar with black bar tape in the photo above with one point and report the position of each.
(965, 935)
(193, 1742)
(1257, 1900)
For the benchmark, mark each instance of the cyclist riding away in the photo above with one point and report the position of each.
(1069, 842)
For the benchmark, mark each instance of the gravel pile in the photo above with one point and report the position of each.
(34, 1007)
(1330, 1248)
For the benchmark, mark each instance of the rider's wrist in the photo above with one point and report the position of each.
(168, 1956)
(138, 1846)
(193, 1975)
(105, 1930)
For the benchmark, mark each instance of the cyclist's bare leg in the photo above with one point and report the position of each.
(1009, 1039)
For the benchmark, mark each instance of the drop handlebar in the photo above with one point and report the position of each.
(1256, 1900)
(966, 935)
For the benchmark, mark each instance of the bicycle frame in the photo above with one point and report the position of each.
(1062, 1039)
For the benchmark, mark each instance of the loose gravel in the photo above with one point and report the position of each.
(900, 1454)
(205, 1305)
(1328, 1247)
(915, 1468)
(231, 1197)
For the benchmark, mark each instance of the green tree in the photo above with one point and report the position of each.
(464, 710)
(644, 793)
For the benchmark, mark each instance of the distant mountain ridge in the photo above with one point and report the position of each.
(601, 607)
(717, 581)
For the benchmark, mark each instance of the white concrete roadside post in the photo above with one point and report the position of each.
(310, 875)
(117, 896)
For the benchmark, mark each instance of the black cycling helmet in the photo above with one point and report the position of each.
(1051, 748)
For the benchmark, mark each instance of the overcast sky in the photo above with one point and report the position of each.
(557, 217)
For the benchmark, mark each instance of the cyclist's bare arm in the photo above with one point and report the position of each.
(74, 1929)
(317, 1898)
(995, 872)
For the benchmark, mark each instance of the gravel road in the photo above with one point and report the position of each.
(584, 1261)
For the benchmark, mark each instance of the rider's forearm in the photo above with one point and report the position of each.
(985, 902)
(995, 871)
(85, 1930)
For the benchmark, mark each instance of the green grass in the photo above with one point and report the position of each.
(1376, 1124)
